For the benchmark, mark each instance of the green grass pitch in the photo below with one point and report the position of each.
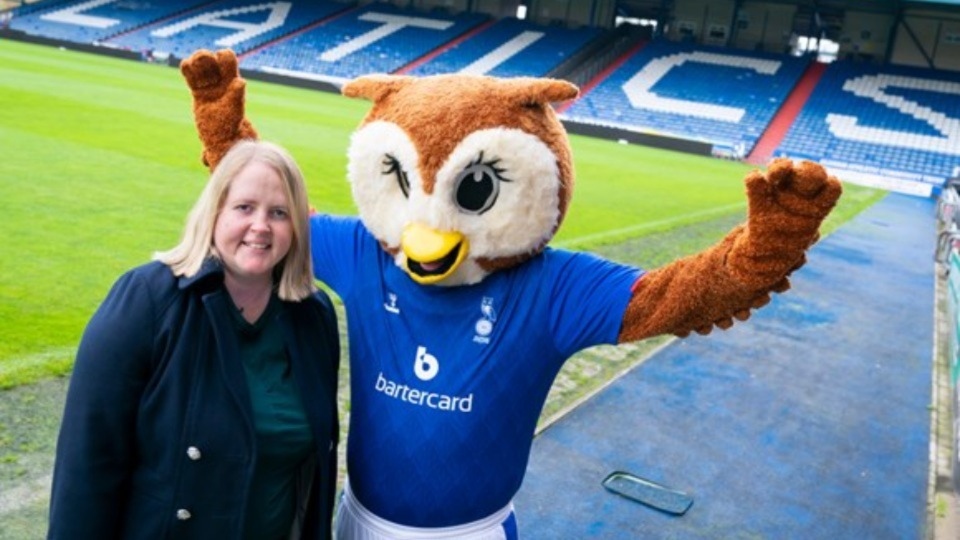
(99, 164)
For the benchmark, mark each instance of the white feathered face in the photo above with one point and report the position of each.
(459, 175)
(495, 196)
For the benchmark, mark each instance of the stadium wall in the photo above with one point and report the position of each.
(572, 13)
(494, 8)
(17, 35)
(916, 38)
(299, 82)
(760, 26)
(865, 36)
(637, 137)
(500, 9)
(928, 39)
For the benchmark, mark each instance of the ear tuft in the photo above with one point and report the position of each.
(375, 87)
(536, 91)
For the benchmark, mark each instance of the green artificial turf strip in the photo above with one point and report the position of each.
(100, 164)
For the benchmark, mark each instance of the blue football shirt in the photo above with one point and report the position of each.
(447, 383)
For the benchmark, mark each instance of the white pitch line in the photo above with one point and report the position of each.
(633, 229)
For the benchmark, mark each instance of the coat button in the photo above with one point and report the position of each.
(193, 453)
(183, 514)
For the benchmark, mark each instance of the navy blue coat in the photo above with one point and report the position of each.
(157, 439)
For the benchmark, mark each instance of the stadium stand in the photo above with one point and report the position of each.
(789, 109)
(93, 21)
(377, 38)
(601, 56)
(891, 127)
(511, 48)
(235, 24)
(898, 123)
(722, 97)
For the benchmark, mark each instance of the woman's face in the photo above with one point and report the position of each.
(253, 232)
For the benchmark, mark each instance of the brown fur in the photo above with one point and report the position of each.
(218, 102)
(482, 102)
(738, 274)
(712, 288)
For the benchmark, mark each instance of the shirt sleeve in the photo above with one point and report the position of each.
(336, 246)
(589, 297)
(96, 448)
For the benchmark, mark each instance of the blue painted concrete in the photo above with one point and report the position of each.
(809, 421)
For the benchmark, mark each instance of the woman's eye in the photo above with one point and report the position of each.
(280, 213)
(392, 168)
(478, 186)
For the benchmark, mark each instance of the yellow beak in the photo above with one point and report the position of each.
(432, 255)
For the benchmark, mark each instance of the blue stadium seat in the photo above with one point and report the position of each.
(894, 121)
(511, 48)
(83, 22)
(720, 96)
(236, 24)
(377, 38)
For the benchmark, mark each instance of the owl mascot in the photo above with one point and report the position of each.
(459, 313)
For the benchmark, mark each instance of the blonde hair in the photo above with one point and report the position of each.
(295, 270)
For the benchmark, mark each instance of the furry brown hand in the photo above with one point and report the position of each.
(724, 282)
(218, 102)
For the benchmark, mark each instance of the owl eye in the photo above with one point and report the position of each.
(478, 185)
(391, 166)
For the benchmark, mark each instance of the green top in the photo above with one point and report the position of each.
(284, 439)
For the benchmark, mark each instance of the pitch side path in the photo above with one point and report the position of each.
(810, 422)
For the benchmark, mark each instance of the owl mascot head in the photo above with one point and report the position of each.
(470, 189)
(459, 313)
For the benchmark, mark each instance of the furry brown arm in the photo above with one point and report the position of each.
(218, 102)
(727, 280)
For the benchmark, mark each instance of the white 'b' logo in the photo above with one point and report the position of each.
(425, 365)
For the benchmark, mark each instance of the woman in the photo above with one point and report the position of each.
(203, 399)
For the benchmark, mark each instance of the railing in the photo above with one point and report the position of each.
(948, 257)
(948, 223)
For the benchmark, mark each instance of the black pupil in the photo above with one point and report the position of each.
(474, 191)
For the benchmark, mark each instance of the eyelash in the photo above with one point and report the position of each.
(493, 166)
(393, 167)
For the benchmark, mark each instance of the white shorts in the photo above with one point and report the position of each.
(354, 522)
